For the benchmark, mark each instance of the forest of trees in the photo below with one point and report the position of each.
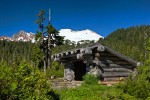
(131, 41)
(15, 52)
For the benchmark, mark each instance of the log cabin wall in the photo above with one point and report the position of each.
(99, 60)
(114, 68)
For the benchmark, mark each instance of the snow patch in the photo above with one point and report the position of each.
(79, 35)
(20, 38)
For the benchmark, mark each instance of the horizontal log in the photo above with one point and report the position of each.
(116, 74)
(113, 65)
(68, 56)
(112, 62)
(114, 78)
(117, 70)
(88, 57)
(107, 54)
(121, 62)
(96, 62)
(121, 56)
(108, 82)
(111, 58)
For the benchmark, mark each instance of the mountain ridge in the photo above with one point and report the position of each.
(69, 34)
(20, 36)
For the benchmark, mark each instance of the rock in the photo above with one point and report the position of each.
(69, 74)
(96, 71)
(53, 77)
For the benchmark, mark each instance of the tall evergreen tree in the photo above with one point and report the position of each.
(40, 34)
(49, 39)
(53, 40)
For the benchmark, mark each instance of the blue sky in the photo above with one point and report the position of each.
(101, 16)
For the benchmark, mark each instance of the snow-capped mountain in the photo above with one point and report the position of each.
(6, 38)
(20, 36)
(69, 34)
(24, 36)
(79, 35)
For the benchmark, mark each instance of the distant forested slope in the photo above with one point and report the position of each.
(130, 41)
(14, 52)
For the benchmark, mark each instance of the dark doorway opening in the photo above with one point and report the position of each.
(80, 70)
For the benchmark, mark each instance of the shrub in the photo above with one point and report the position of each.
(23, 82)
(116, 94)
(139, 85)
(94, 92)
(90, 79)
(56, 70)
(77, 94)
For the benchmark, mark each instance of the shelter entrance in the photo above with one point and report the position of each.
(80, 70)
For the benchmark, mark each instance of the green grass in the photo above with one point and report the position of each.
(90, 90)
(94, 92)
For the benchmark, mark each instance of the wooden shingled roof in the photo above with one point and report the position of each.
(89, 50)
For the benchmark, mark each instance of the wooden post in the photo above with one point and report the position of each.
(94, 69)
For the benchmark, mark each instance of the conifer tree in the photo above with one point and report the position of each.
(53, 40)
(40, 34)
(48, 38)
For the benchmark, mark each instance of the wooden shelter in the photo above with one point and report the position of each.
(96, 59)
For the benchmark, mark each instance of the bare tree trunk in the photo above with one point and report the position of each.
(44, 64)
(42, 28)
(49, 51)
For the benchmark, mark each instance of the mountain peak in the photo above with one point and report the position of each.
(80, 35)
(20, 36)
(23, 36)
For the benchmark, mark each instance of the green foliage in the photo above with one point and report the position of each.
(139, 86)
(47, 38)
(90, 79)
(14, 52)
(94, 92)
(56, 70)
(55, 39)
(131, 41)
(116, 94)
(77, 94)
(36, 56)
(23, 82)
(91, 90)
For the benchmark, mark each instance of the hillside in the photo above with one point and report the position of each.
(130, 41)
